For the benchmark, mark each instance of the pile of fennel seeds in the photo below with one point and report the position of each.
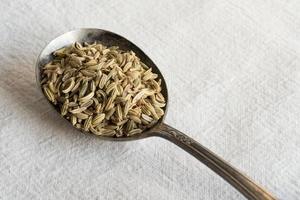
(103, 90)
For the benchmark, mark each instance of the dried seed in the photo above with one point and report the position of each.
(138, 96)
(49, 94)
(87, 97)
(130, 125)
(119, 89)
(98, 119)
(66, 76)
(134, 131)
(95, 131)
(76, 86)
(54, 77)
(151, 110)
(87, 123)
(101, 94)
(93, 50)
(145, 122)
(135, 119)
(75, 98)
(87, 103)
(103, 81)
(127, 107)
(159, 111)
(52, 87)
(78, 110)
(109, 63)
(73, 119)
(91, 63)
(88, 73)
(136, 112)
(160, 98)
(81, 116)
(94, 68)
(98, 77)
(77, 60)
(97, 55)
(112, 73)
(110, 87)
(73, 104)
(105, 51)
(95, 100)
(107, 132)
(157, 104)
(92, 86)
(133, 75)
(88, 112)
(150, 77)
(64, 108)
(78, 126)
(119, 112)
(109, 103)
(110, 113)
(78, 45)
(83, 89)
(50, 66)
(111, 127)
(127, 66)
(120, 123)
(155, 86)
(120, 100)
(69, 84)
(98, 108)
(147, 118)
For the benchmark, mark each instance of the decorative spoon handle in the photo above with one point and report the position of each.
(242, 183)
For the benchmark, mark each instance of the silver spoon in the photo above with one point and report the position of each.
(242, 183)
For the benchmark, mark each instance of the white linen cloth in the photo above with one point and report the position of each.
(233, 74)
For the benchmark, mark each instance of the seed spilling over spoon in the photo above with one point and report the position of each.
(103, 90)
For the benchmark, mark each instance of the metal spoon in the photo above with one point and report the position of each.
(242, 183)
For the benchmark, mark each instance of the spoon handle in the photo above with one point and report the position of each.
(242, 183)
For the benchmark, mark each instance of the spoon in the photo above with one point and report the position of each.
(238, 180)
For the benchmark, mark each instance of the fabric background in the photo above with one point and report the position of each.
(233, 73)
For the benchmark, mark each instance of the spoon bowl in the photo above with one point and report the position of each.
(109, 39)
(238, 180)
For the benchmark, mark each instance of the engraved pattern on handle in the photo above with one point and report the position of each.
(182, 138)
(239, 181)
